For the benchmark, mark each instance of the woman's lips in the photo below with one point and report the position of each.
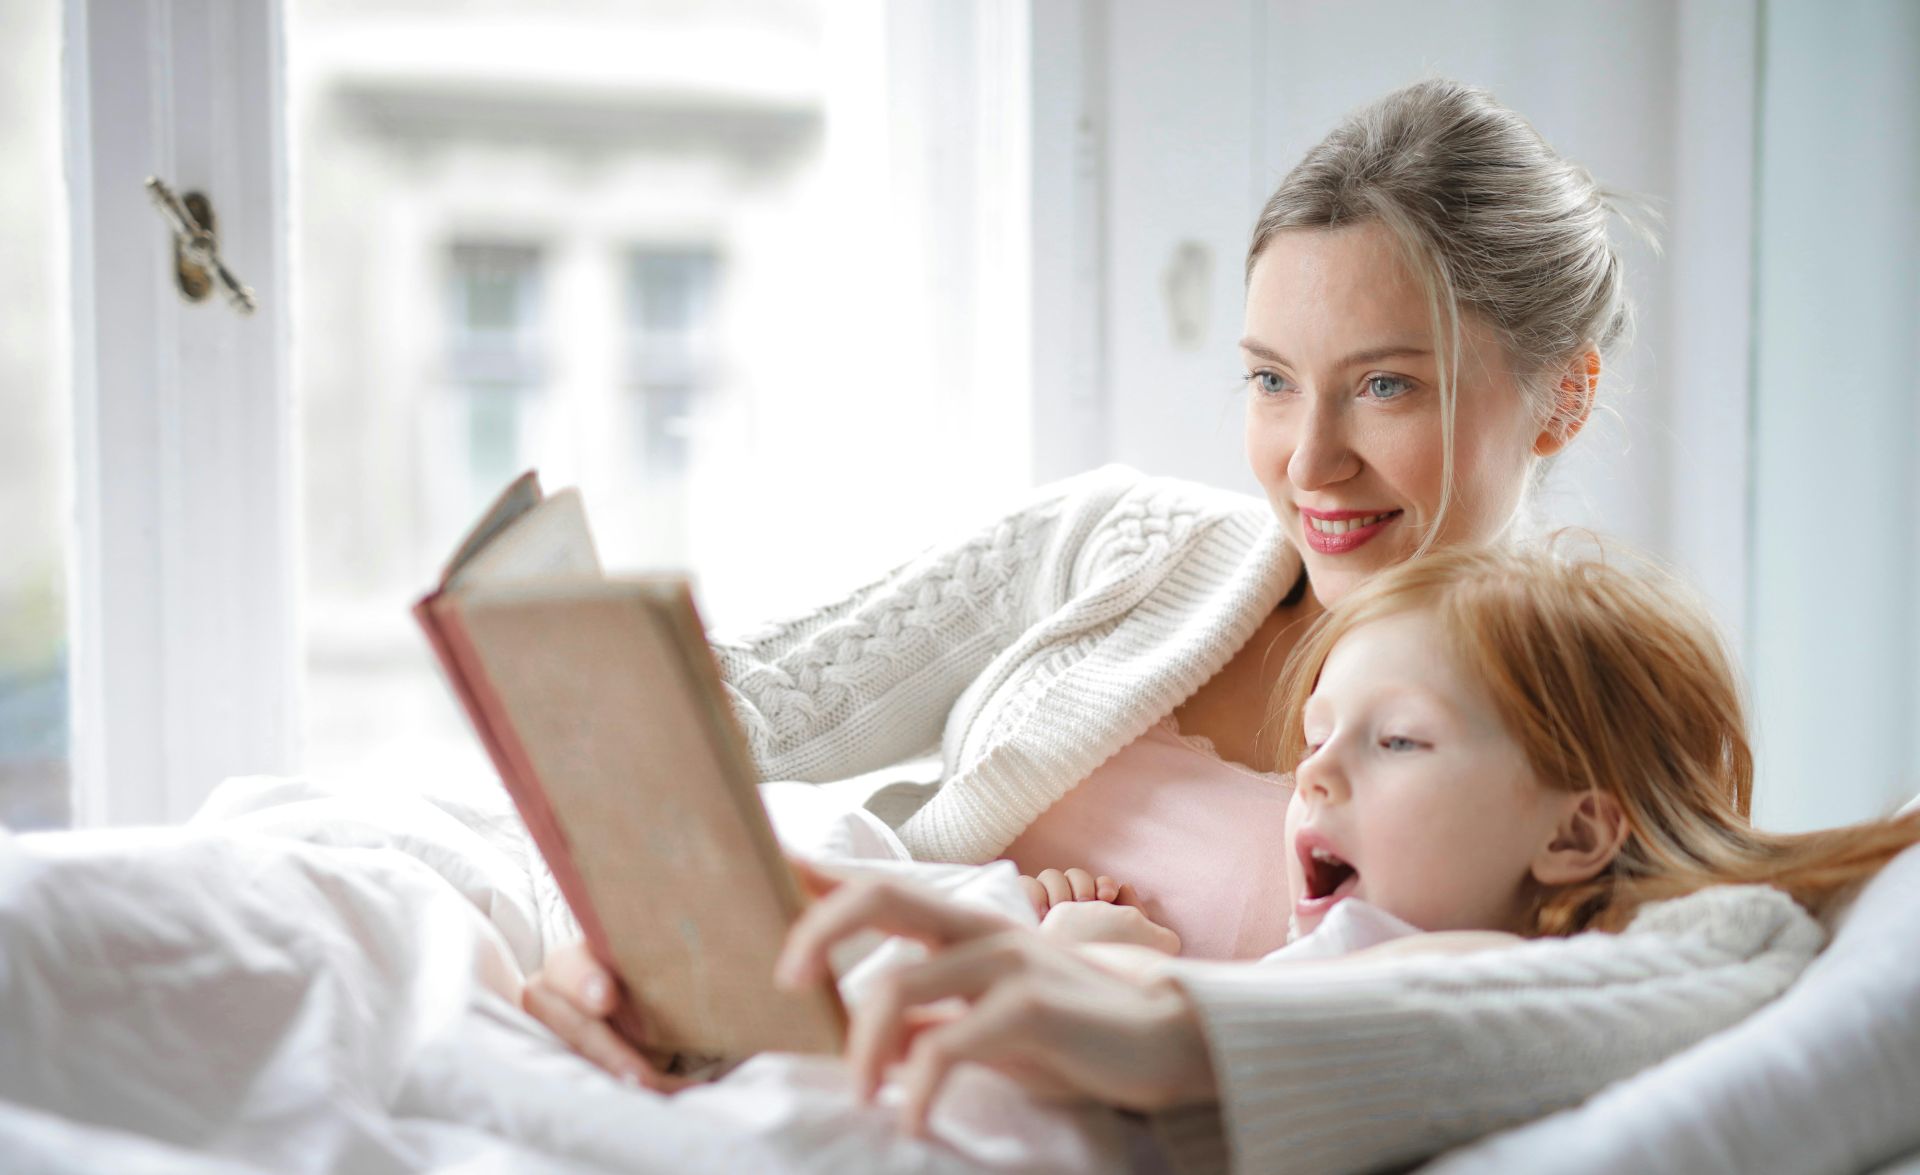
(1346, 529)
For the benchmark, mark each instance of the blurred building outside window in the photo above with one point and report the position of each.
(494, 356)
(701, 261)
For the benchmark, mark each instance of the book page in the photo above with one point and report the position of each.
(550, 539)
(521, 495)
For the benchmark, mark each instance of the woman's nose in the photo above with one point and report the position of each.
(1323, 453)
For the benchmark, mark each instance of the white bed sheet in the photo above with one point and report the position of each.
(308, 979)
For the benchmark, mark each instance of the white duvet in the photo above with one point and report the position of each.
(309, 980)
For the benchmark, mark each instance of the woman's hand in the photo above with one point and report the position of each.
(574, 995)
(1031, 1008)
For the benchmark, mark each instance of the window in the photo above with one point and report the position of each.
(672, 354)
(34, 443)
(494, 359)
(669, 254)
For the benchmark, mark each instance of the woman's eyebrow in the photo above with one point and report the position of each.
(1370, 355)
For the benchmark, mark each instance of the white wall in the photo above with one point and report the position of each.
(1835, 646)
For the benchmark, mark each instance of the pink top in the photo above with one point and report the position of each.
(1200, 839)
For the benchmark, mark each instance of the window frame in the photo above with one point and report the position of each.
(185, 666)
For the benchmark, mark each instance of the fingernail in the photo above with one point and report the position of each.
(595, 991)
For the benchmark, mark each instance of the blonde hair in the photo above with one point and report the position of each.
(1492, 221)
(1616, 682)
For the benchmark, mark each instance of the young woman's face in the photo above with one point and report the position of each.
(1344, 413)
(1412, 796)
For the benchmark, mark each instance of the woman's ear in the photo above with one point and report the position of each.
(1588, 837)
(1572, 404)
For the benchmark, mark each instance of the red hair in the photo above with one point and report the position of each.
(1617, 682)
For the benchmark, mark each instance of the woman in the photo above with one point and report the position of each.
(1429, 295)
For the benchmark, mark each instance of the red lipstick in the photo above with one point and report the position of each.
(1350, 535)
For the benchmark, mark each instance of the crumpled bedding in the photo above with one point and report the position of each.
(317, 979)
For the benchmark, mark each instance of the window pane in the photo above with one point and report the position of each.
(34, 443)
(648, 248)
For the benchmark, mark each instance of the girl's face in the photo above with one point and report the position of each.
(1412, 796)
(1344, 413)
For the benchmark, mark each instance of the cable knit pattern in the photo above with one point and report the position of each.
(1327, 1068)
(1028, 652)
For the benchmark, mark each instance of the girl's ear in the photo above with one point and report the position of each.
(1591, 830)
(1572, 404)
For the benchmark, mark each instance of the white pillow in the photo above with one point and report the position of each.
(1825, 1078)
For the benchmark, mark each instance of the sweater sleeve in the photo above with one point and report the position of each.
(869, 680)
(1355, 1066)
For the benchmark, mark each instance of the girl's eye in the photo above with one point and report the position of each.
(1394, 742)
(1388, 387)
(1267, 383)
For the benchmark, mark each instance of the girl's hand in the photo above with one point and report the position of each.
(1076, 906)
(574, 995)
(1033, 1009)
(1088, 922)
(1054, 887)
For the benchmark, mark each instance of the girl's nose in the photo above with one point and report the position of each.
(1323, 453)
(1320, 776)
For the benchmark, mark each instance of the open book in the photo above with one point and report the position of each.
(601, 707)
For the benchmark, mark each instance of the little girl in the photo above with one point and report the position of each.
(1498, 741)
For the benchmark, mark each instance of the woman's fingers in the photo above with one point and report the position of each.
(575, 974)
(875, 904)
(1082, 884)
(591, 1036)
(995, 1032)
(814, 881)
(884, 1021)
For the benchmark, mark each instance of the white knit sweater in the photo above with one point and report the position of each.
(1332, 1067)
(1030, 652)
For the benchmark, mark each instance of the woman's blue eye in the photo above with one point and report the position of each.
(1267, 383)
(1387, 387)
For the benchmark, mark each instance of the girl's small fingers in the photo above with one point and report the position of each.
(1082, 884)
(1059, 889)
(1127, 896)
(1037, 894)
(1106, 888)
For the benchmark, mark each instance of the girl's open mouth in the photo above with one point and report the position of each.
(1326, 880)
